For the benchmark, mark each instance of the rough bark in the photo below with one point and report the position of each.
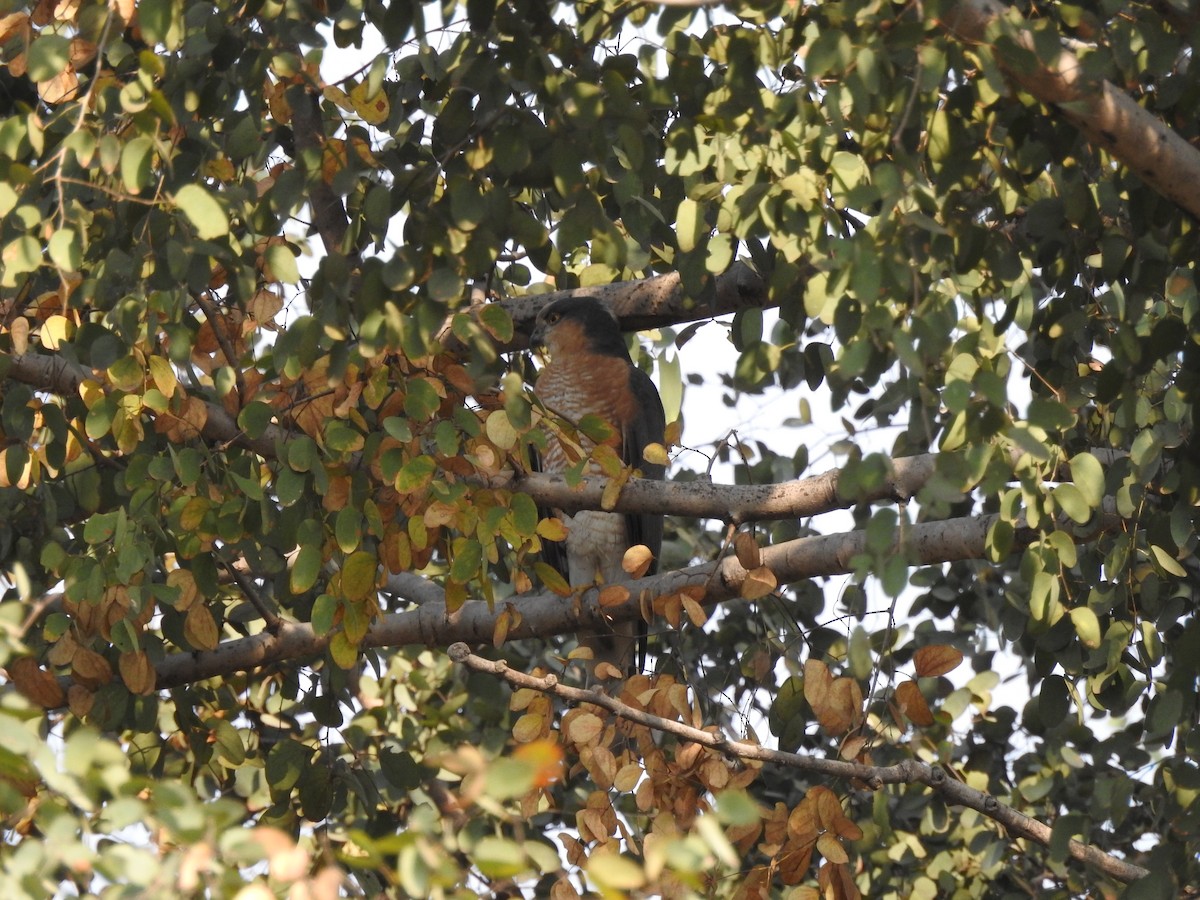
(545, 614)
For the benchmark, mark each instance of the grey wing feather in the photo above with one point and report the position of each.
(649, 427)
(553, 552)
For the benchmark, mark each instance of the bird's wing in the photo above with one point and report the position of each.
(647, 427)
(553, 552)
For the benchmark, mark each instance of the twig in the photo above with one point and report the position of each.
(907, 772)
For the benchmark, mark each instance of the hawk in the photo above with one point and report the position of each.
(589, 372)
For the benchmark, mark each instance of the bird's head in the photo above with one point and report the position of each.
(578, 325)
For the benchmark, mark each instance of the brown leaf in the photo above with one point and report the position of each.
(937, 659)
(585, 728)
(500, 631)
(842, 709)
(36, 684)
(747, 551)
(199, 628)
(817, 681)
(697, 613)
(912, 704)
(137, 672)
(90, 668)
(831, 848)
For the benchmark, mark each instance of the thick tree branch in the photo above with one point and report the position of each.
(1107, 116)
(736, 503)
(545, 614)
(909, 771)
(649, 303)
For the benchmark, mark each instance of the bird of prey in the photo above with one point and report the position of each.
(589, 372)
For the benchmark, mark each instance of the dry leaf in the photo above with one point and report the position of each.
(637, 560)
(747, 550)
(937, 659)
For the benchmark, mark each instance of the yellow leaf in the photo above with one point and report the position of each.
(54, 331)
(552, 529)
(373, 109)
(529, 727)
(657, 454)
(500, 430)
(358, 575)
(637, 559)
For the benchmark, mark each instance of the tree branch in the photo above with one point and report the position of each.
(735, 503)
(649, 303)
(907, 772)
(60, 376)
(545, 614)
(1108, 117)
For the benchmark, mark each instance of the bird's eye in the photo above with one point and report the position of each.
(553, 318)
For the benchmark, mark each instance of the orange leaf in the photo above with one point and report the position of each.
(759, 582)
(937, 659)
(547, 756)
(613, 595)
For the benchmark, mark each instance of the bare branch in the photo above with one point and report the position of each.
(907, 772)
(736, 503)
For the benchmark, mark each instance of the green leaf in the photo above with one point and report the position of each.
(1072, 501)
(466, 558)
(48, 56)
(305, 569)
(358, 575)
(1088, 476)
(279, 257)
(203, 211)
(66, 249)
(1087, 626)
(137, 157)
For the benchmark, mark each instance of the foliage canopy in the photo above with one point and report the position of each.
(266, 416)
